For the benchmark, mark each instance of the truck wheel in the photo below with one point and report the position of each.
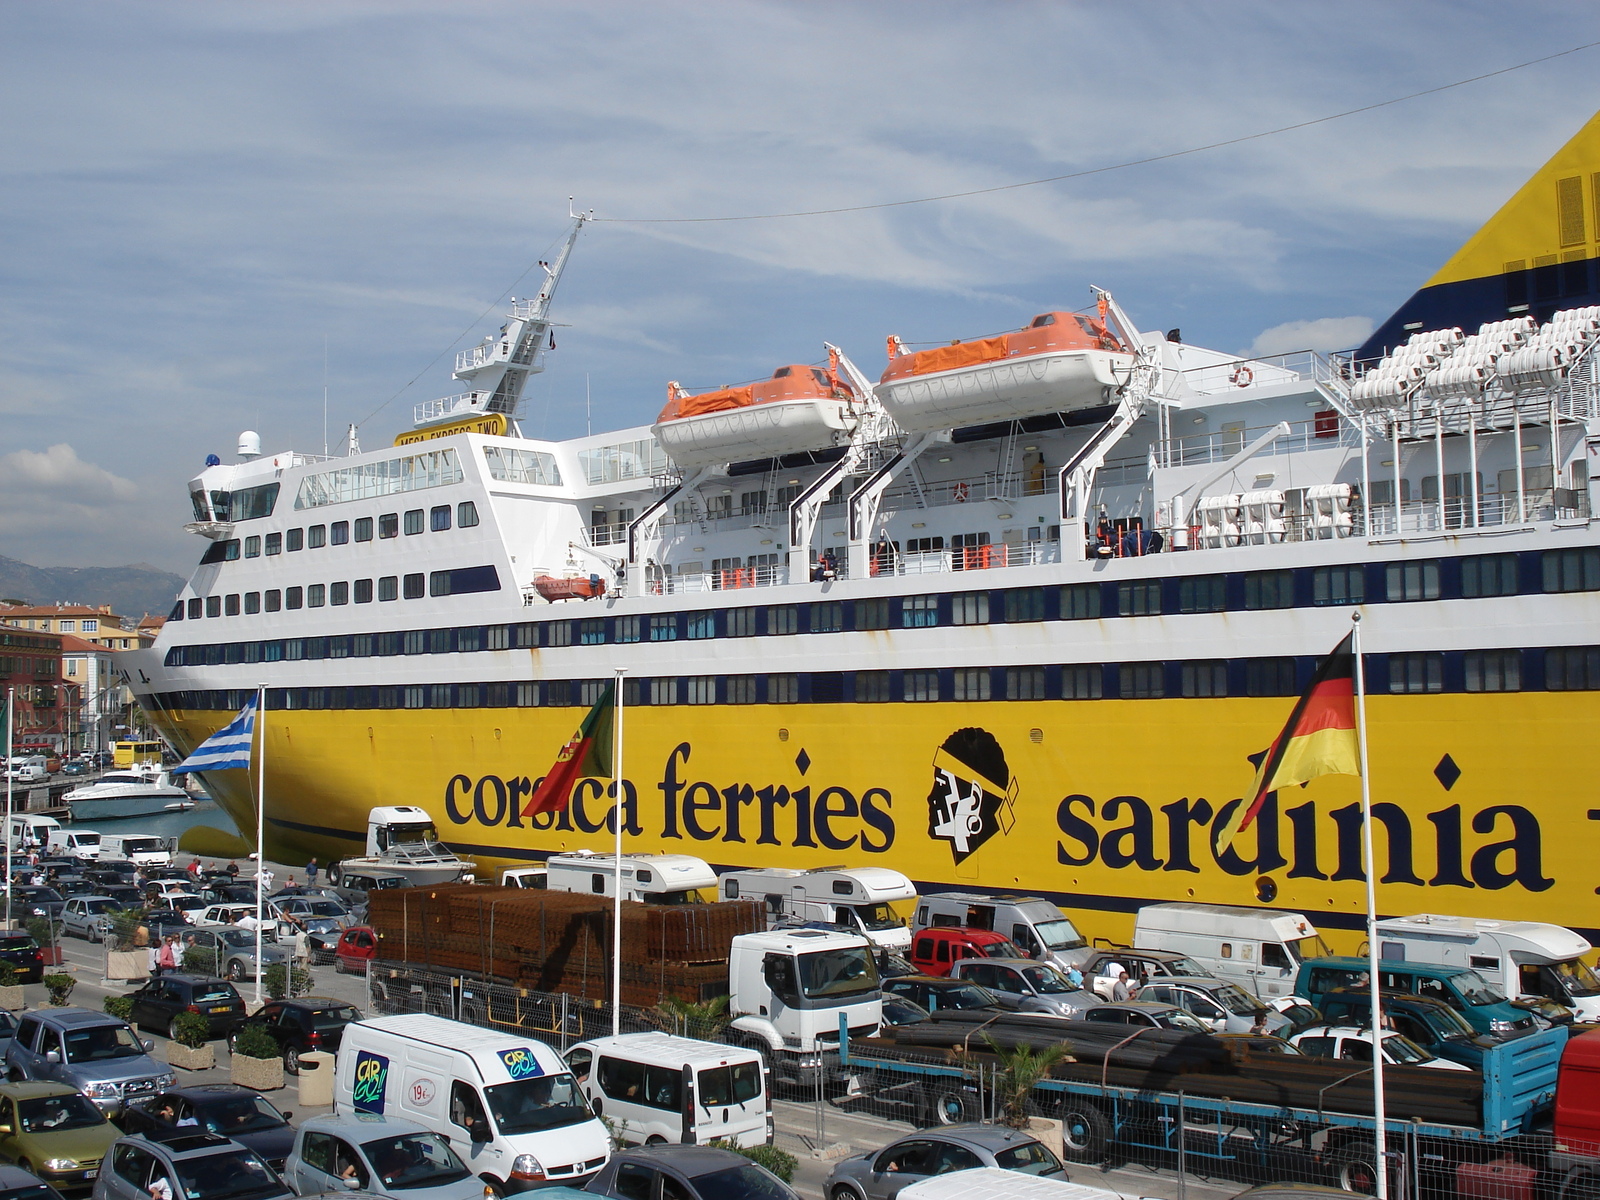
(334, 874)
(949, 1104)
(1355, 1168)
(1083, 1131)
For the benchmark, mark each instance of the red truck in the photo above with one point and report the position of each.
(933, 950)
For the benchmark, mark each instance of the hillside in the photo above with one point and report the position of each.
(130, 591)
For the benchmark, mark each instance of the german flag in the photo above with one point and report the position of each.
(1320, 738)
(586, 756)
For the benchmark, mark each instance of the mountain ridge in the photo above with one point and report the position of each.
(131, 590)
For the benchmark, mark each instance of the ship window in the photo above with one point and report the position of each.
(1025, 604)
(1202, 594)
(1024, 683)
(627, 629)
(702, 689)
(919, 612)
(924, 545)
(1413, 581)
(274, 543)
(624, 460)
(293, 597)
(462, 581)
(213, 606)
(432, 468)
(414, 641)
(872, 687)
(439, 518)
(741, 689)
(1141, 681)
(389, 587)
(274, 600)
(1081, 683)
(363, 591)
(827, 618)
(413, 521)
(363, 529)
(250, 504)
(297, 540)
(1572, 570)
(1270, 677)
(316, 595)
(1489, 575)
(1572, 669)
(361, 645)
(1080, 602)
(558, 633)
(412, 586)
(527, 695)
(252, 653)
(389, 525)
(1139, 598)
(339, 533)
(1493, 670)
(175, 615)
(700, 625)
(1413, 673)
(523, 466)
(415, 697)
(741, 622)
(224, 551)
(785, 618)
(339, 647)
(1269, 589)
(252, 603)
(1209, 677)
(971, 684)
(1040, 322)
(317, 537)
(252, 546)
(663, 691)
(230, 604)
(918, 686)
(969, 608)
(591, 633)
(664, 629)
(783, 689)
(470, 639)
(339, 593)
(872, 614)
(1339, 585)
(466, 514)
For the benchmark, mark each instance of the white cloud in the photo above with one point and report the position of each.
(1325, 333)
(58, 476)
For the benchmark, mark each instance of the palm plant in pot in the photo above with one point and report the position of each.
(256, 1061)
(190, 1047)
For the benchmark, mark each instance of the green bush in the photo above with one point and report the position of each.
(9, 975)
(124, 924)
(273, 981)
(60, 986)
(780, 1162)
(120, 1007)
(199, 960)
(255, 1042)
(192, 1030)
(41, 930)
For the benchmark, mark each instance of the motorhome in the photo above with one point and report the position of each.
(871, 901)
(26, 827)
(647, 878)
(1260, 949)
(1039, 928)
(1523, 958)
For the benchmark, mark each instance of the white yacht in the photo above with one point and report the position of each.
(131, 792)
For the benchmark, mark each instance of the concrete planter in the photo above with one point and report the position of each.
(262, 1074)
(193, 1058)
(11, 998)
(1049, 1131)
(127, 964)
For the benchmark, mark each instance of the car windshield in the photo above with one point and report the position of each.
(530, 1105)
(967, 995)
(233, 1114)
(334, 1018)
(1577, 978)
(326, 908)
(1176, 1018)
(33, 1191)
(879, 916)
(1006, 949)
(1030, 1158)
(1059, 935)
(1475, 989)
(1403, 1050)
(416, 1160)
(230, 1175)
(238, 939)
(38, 894)
(101, 905)
(56, 1114)
(746, 1182)
(100, 1043)
(830, 973)
(1236, 1000)
(1047, 980)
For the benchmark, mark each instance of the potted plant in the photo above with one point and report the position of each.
(125, 957)
(199, 960)
(190, 1047)
(278, 981)
(255, 1060)
(10, 988)
(120, 1007)
(43, 931)
(1021, 1069)
(60, 986)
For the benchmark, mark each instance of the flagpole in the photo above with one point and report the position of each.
(261, 853)
(11, 722)
(616, 903)
(1379, 1119)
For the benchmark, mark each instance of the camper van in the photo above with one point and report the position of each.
(507, 1103)
(145, 849)
(1522, 958)
(653, 1087)
(1039, 928)
(1260, 949)
(647, 878)
(31, 825)
(74, 843)
(870, 901)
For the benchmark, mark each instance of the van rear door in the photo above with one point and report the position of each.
(730, 1103)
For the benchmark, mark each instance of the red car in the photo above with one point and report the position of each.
(354, 950)
(933, 950)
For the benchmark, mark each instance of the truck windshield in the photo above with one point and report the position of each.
(530, 1105)
(399, 834)
(101, 1043)
(1576, 978)
(1309, 947)
(831, 973)
(1059, 935)
(875, 917)
(1475, 989)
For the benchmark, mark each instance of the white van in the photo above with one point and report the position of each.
(31, 825)
(870, 901)
(1260, 949)
(28, 770)
(74, 843)
(1524, 958)
(993, 1183)
(507, 1103)
(1039, 928)
(654, 1087)
(647, 878)
(145, 849)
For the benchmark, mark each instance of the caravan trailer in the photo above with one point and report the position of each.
(871, 901)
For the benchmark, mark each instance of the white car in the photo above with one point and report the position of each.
(223, 914)
(1354, 1044)
(187, 902)
(167, 888)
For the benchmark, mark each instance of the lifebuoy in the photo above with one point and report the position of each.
(960, 492)
(1243, 375)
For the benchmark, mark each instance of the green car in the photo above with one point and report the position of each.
(53, 1131)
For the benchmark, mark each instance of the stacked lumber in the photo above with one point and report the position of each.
(561, 941)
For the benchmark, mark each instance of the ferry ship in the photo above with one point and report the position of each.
(1018, 615)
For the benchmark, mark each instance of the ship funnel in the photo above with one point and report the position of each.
(249, 445)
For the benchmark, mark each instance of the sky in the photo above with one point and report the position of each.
(211, 212)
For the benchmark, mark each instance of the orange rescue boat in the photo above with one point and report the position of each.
(799, 408)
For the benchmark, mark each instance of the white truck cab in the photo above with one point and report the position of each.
(647, 878)
(1260, 949)
(1524, 958)
(525, 877)
(871, 901)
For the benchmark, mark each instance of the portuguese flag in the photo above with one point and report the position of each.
(1320, 738)
(586, 756)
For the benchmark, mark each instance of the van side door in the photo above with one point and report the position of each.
(470, 1134)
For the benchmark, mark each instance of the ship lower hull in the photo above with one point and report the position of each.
(1101, 805)
(116, 808)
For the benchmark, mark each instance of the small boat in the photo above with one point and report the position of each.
(1060, 363)
(800, 408)
(131, 792)
(576, 587)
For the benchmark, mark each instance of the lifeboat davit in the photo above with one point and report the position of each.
(799, 408)
(577, 587)
(1061, 362)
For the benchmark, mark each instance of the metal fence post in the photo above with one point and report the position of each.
(1183, 1151)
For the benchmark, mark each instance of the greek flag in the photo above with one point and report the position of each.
(226, 749)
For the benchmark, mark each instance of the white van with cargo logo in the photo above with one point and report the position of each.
(506, 1103)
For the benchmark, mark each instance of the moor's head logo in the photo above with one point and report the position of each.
(973, 791)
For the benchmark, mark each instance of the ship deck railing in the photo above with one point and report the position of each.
(1492, 511)
(1302, 366)
(726, 580)
(1319, 433)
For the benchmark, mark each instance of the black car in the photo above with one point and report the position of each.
(75, 885)
(898, 1011)
(104, 876)
(31, 901)
(303, 1024)
(221, 1108)
(229, 893)
(157, 1004)
(934, 993)
(18, 948)
(162, 921)
(687, 1173)
(125, 895)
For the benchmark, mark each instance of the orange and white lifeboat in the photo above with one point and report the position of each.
(799, 408)
(1061, 362)
(571, 587)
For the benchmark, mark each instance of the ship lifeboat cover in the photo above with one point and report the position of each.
(799, 408)
(1061, 362)
(576, 587)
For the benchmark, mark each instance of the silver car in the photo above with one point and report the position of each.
(881, 1174)
(185, 1163)
(313, 914)
(388, 1156)
(88, 917)
(1025, 985)
(235, 948)
(1226, 1007)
